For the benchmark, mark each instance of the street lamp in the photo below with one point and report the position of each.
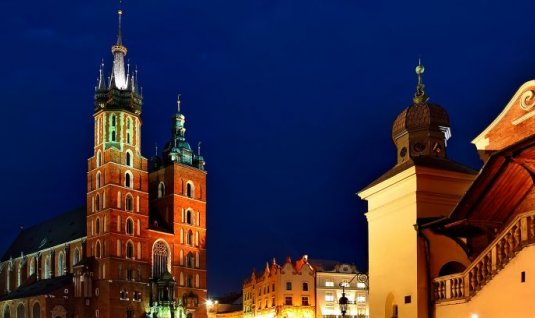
(342, 302)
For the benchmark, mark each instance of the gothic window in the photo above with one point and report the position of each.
(61, 263)
(129, 226)
(189, 281)
(189, 238)
(20, 311)
(196, 238)
(160, 259)
(113, 135)
(129, 158)
(113, 120)
(97, 180)
(7, 313)
(129, 249)
(36, 311)
(189, 189)
(19, 273)
(98, 250)
(128, 179)
(99, 158)
(190, 260)
(47, 267)
(32, 266)
(161, 190)
(197, 281)
(97, 226)
(189, 217)
(128, 204)
(97, 202)
(76, 257)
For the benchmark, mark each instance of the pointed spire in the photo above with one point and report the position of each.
(199, 149)
(119, 29)
(101, 79)
(419, 96)
(156, 148)
(178, 103)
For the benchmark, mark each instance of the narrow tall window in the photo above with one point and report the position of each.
(97, 250)
(288, 285)
(189, 218)
(97, 202)
(99, 158)
(76, 258)
(98, 184)
(113, 121)
(189, 190)
(129, 250)
(129, 226)
(305, 286)
(161, 190)
(97, 226)
(128, 203)
(160, 258)
(61, 264)
(189, 240)
(113, 135)
(129, 158)
(128, 180)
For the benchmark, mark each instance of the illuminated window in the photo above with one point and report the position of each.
(329, 297)
(61, 263)
(361, 285)
(288, 300)
(161, 190)
(344, 284)
(288, 285)
(361, 299)
(329, 284)
(99, 158)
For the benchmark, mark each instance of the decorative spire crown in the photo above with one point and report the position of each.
(419, 96)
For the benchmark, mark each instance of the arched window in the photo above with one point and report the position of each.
(97, 226)
(7, 312)
(97, 250)
(129, 226)
(190, 260)
(20, 311)
(97, 202)
(196, 238)
(32, 267)
(189, 217)
(97, 180)
(129, 130)
(76, 257)
(129, 158)
(161, 190)
(128, 179)
(61, 263)
(189, 281)
(128, 203)
(160, 259)
(19, 273)
(189, 239)
(113, 135)
(36, 311)
(99, 158)
(113, 120)
(129, 249)
(189, 189)
(48, 271)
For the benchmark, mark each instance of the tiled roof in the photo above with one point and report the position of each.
(63, 228)
(40, 287)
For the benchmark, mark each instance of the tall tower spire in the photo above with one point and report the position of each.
(420, 96)
(119, 75)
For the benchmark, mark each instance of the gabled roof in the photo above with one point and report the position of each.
(63, 228)
(40, 287)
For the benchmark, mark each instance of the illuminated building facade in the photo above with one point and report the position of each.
(330, 278)
(138, 249)
(447, 241)
(281, 291)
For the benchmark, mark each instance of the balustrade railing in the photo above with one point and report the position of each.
(518, 234)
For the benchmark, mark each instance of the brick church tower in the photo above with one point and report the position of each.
(146, 232)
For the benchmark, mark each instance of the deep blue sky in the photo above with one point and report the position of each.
(292, 99)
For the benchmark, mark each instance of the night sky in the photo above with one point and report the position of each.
(293, 101)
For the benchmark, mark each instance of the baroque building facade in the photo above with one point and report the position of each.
(446, 240)
(138, 248)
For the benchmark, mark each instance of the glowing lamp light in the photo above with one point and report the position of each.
(474, 316)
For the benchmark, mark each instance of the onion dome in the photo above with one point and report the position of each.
(423, 128)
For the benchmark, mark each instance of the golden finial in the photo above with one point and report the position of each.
(420, 96)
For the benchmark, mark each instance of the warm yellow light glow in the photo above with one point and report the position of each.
(474, 316)
(209, 303)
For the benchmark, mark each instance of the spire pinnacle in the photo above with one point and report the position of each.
(119, 31)
(178, 102)
(199, 148)
(419, 96)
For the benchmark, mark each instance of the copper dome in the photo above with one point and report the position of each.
(420, 116)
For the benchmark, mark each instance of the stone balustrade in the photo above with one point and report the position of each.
(461, 286)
